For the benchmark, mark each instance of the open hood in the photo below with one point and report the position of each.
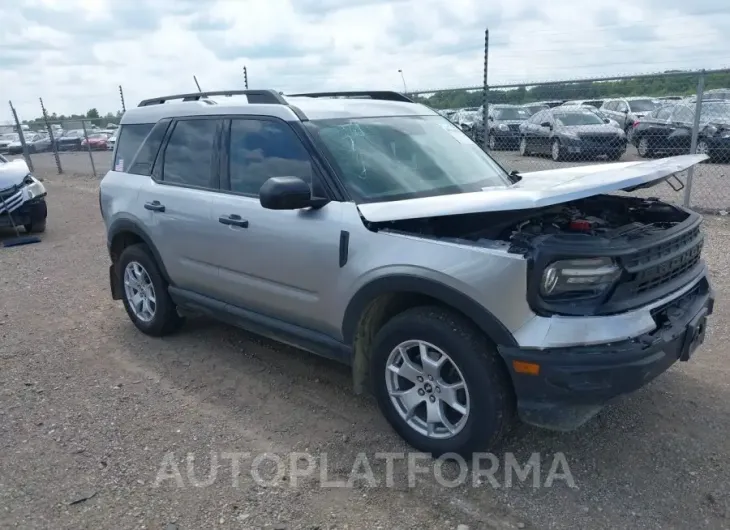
(536, 189)
(12, 173)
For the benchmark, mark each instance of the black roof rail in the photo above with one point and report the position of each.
(271, 97)
(383, 95)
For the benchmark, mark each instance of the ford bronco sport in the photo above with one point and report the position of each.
(367, 228)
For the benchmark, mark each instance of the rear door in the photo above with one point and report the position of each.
(177, 200)
(280, 263)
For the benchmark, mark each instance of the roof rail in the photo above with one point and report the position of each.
(254, 96)
(384, 95)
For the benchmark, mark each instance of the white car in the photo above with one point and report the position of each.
(22, 197)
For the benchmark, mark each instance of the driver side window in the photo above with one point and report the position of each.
(261, 149)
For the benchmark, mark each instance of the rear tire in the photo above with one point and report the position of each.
(156, 318)
(644, 147)
(486, 399)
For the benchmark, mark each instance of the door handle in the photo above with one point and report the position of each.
(233, 220)
(154, 206)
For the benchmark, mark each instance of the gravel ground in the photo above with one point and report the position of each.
(89, 409)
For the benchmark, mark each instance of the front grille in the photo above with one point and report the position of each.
(514, 126)
(657, 265)
(12, 202)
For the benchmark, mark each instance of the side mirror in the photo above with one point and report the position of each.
(606, 120)
(626, 111)
(545, 124)
(287, 193)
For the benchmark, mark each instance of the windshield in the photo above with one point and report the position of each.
(642, 105)
(405, 157)
(578, 118)
(716, 111)
(594, 103)
(511, 114)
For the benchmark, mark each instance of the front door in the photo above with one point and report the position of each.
(281, 263)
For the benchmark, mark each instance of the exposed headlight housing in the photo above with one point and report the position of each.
(503, 127)
(578, 278)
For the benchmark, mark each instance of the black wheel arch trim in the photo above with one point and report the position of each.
(404, 283)
(127, 225)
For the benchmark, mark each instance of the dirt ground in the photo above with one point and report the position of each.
(91, 412)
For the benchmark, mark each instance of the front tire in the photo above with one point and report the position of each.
(524, 151)
(144, 292)
(35, 227)
(556, 151)
(440, 383)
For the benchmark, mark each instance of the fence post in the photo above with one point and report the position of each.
(121, 96)
(88, 147)
(245, 77)
(695, 134)
(26, 152)
(485, 94)
(53, 140)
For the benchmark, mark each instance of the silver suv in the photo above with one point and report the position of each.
(369, 229)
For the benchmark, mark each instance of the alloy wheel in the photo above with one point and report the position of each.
(140, 291)
(427, 389)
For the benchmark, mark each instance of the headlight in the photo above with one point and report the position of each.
(34, 188)
(503, 127)
(578, 278)
(711, 130)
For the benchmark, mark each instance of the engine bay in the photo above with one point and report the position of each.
(607, 217)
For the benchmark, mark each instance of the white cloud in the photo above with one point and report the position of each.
(75, 53)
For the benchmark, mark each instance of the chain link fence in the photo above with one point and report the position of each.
(540, 126)
(50, 143)
(529, 127)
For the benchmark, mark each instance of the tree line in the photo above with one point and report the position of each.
(91, 114)
(653, 87)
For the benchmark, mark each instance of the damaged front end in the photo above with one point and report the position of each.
(599, 255)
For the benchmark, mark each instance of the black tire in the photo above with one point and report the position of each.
(166, 319)
(644, 147)
(35, 227)
(491, 397)
(560, 153)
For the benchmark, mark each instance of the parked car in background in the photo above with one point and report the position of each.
(96, 142)
(571, 131)
(70, 140)
(601, 115)
(626, 111)
(471, 121)
(532, 108)
(5, 141)
(112, 140)
(669, 98)
(668, 130)
(37, 143)
(504, 126)
(583, 102)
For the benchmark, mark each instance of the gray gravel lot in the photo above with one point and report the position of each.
(89, 407)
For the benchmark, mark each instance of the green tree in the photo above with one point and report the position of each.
(92, 114)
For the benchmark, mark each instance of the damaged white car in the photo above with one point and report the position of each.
(22, 197)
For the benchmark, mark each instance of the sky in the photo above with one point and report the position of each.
(75, 53)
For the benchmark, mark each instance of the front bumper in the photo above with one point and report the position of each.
(575, 382)
(593, 148)
(30, 212)
(506, 137)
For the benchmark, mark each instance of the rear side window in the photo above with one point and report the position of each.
(130, 138)
(189, 154)
(145, 158)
